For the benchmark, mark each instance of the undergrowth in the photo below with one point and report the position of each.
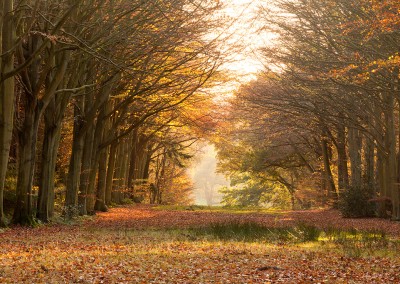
(256, 232)
(352, 243)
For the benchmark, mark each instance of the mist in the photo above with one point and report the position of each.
(207, 181)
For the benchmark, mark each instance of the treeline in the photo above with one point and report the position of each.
(322, 120)
(113, 85)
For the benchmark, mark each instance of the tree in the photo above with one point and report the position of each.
(143, 61)
(7, 52)
(329, 89)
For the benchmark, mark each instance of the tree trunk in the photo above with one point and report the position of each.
(132, 163)
(343, 173)
(355, 144)
(35, 97)
(332, 194)
(146, 172)
(74, 171)
(118, 174)
(393, 157)
(85, 170)
(27, 138)
(110, 172)
(369, 157)
(98, 136)
(100, 204)
(396, 188)
(7, 37)
(161, 178)
(390, 163)
(52, 135)
(125, 170)
(381, 158)
(53, 117)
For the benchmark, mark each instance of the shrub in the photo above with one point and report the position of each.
(354, 203)
(127, 201)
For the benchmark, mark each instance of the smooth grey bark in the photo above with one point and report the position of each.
(33, 106)
(98, 137)
(85, 170)
(27, 137)
(159, 177)
(100, 204)
(84, 121)
(355, 146)
(110, 172)
(390, 181)
(132, 163)
(369, 158)
(343, 172)
(73, 180)
(396, 188)
(27, 133)
(52, 135)
(53, 117)
(124, 170)
(118, 174)
(381, 162)
(146, 171)
(332, 194)
(7, 96)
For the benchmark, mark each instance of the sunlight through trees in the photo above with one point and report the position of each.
(104, 103)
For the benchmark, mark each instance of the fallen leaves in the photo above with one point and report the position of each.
(133, 245)
(144, 217)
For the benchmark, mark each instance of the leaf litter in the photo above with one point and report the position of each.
(135, 244)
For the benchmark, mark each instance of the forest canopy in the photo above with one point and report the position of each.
(321, 119)
(98, 98)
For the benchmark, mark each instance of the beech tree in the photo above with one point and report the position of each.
(334, 85)
(167, 76)
(7, 83)
(118, 65)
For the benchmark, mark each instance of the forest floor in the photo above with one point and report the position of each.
(143, 244)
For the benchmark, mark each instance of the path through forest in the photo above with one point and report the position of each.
(141, 244)
(147, 216)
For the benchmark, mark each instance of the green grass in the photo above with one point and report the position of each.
(351, 243)
(253, 232)
(355, 243)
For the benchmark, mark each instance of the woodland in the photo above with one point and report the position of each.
(104, 105)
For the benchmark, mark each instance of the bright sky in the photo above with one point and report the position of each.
(244, 63)
(245, 34)
(244, 41)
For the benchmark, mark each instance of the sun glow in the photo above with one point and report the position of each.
(246, 37)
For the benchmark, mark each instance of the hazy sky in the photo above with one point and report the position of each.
(206, 180)
(246, 30)
(245, 64)
(245, 33)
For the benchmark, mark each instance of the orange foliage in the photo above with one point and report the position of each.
(379, 18)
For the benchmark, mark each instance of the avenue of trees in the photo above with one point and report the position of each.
(101, 102)
(322, 121)
(101, 96)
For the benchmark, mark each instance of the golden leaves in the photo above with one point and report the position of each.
(132, 245)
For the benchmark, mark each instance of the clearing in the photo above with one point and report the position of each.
(143, 244)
